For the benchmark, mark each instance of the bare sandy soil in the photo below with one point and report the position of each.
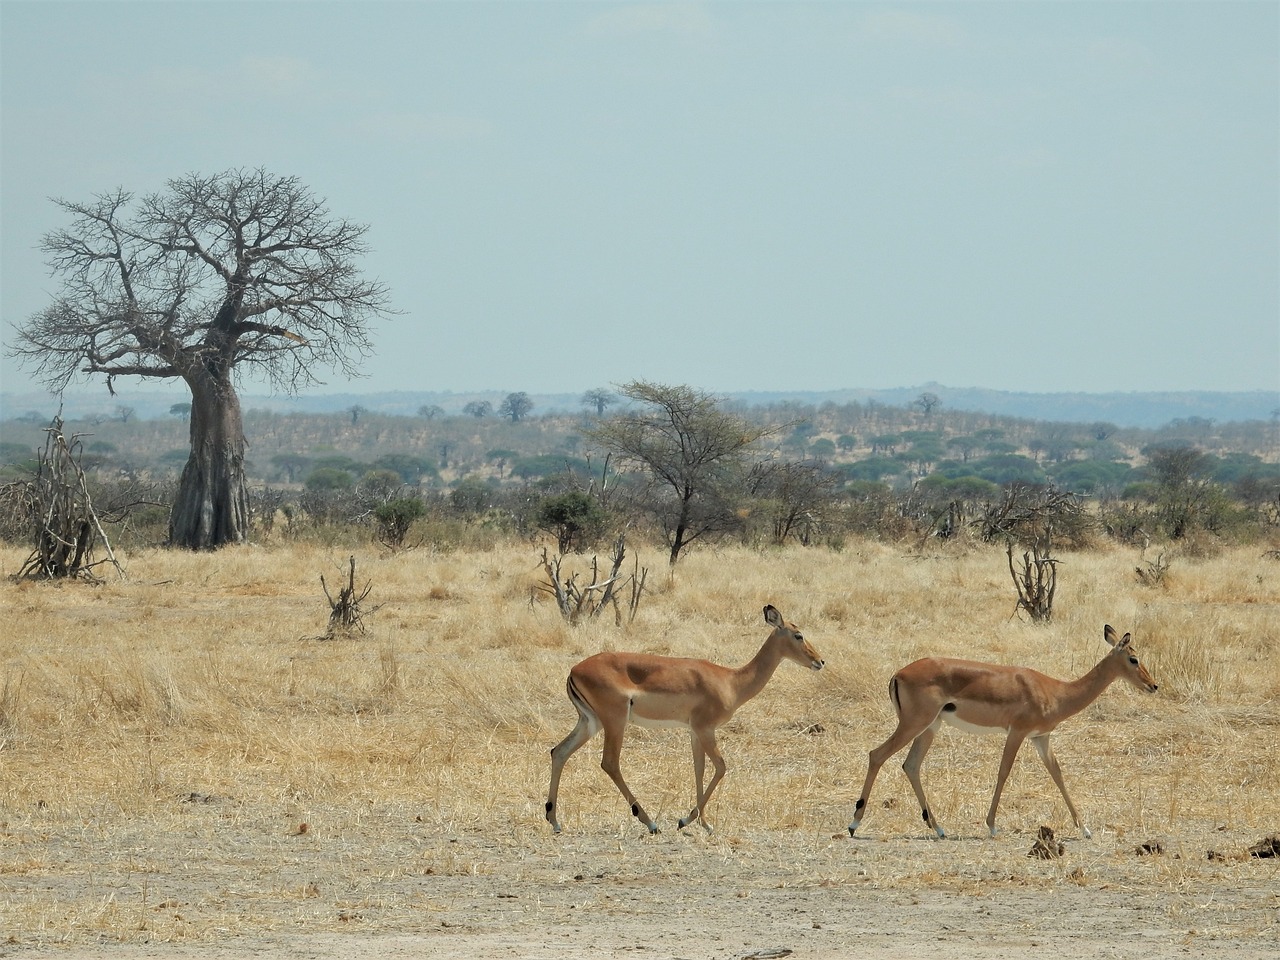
(186, 772)
(505, 892)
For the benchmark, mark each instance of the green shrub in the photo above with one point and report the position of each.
(575, 519)
(395, 517)
(323, 479)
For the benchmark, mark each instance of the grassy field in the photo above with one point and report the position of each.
(183, 759)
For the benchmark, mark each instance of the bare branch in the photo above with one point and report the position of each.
(213, 271)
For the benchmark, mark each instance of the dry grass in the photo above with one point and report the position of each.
(180, 758)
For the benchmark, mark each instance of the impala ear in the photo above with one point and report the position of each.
(1109, 634)
(771, 615)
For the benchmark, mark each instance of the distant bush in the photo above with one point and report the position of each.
(395, 517)
(411, 470)
(823, 448)
(324, 479)
(379, 485)
(473, 496)
(16, 459)
(575, 519)
(871, 469)
(965, 487)
(546, 465)
(1092, 476)
(1006, 468)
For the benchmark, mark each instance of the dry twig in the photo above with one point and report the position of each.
(67, 528)
(576, 601)
(1037, 582)
(345, 615)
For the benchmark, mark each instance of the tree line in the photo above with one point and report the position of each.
(216, 274)
(682, 467)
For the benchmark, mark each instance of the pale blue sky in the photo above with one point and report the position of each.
(737, 196)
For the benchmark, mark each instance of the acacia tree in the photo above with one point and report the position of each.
(1186, 498)
(694, 451)
(241, 270)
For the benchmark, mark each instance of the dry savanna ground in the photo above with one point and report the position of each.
(185, 769)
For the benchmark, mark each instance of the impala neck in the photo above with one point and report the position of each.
(751, 678)
(1079, 693)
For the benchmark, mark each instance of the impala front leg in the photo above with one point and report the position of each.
(1011, 747)
(1051, 764)
(704, 745)
(699, 768)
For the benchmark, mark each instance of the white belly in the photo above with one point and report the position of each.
(651, 724)
(950, 718)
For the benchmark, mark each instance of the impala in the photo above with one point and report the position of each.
(611, 690)
(989, 698)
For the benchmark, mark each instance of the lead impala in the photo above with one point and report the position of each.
(1019, 702)
(612, 690)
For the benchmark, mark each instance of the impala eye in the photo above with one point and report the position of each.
(1134, 661)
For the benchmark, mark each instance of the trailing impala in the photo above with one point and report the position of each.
(1019, 702)
(611, 690)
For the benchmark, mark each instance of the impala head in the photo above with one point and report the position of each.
(794, 645)
(1130, 668)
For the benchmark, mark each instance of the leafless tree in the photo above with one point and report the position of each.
(214, 276)
(927, 402)
(599, 398)
(798, 496)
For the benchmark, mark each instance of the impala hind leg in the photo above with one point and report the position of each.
(586, 728)
(610, 764)
(1011, 747)
(877, 758)
(1051, 764)
(911, 766)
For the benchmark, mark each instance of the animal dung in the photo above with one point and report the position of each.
(1046, 847)
(1267, 847)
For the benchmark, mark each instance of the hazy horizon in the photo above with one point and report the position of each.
(1151, 409)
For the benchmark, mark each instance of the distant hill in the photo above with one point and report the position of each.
(1143, 410)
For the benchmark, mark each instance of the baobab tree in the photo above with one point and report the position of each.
(516, 406)
(213, 275)
(927, 402)
(598, 398)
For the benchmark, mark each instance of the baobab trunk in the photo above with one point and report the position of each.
(212, 505)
